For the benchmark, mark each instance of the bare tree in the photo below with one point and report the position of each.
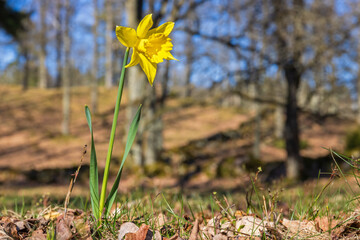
(297, 35)
(279, 109)
(290, 61)
(188, 66)
(42, 45)
(108, 46)
(25, 52)
(136, 83)
(66, 71)
(153, 117)
(58, 42)
(94, 81)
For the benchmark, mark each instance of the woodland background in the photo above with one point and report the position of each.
(258, 81)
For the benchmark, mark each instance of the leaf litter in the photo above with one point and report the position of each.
(76, 224)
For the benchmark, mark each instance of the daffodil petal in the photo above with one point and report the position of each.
(135, 59)
(148, 67)
(127, 36)
(165, 29)
(144, 26)
(170, 57)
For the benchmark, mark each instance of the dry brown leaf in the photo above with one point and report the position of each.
(139, 235)
(6, 220)
(63, 231)
(38, 234)
(160, 220)
(51, 215)
(324, 224)
(296, 225)
(220, 237)
(195, 230)
(126, 228)
(22, 225)
(239, 214)
(82, 228)
(12, 230)
(347, 229)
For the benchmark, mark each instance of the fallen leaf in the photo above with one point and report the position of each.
(4, 236)
(347, 229)
(126, 228)
(140, 234)
(325, 224)
(63, 231)
(195, 230)
(38, 234)
(157, 235)
(51, 215)
(82, 227)
(160, 220)
(296, 225)
(21, 225)
(12, 230)
(220, 237)
(239, 214)
(250, 226)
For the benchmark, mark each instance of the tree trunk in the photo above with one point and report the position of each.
(136, 85)
(317, 106)
(65, 72)
(58, 43)
(152, 150)
(358, 100)
(294, 161)
(42, 50)
(358, 90)
(279, 122)
(257, 131)
(279, 110)
(165, 85)
(254, 93)
(289, 57)
(189, 50)
(108, 46)
(94, 82)
(24, 45)
(26, 68)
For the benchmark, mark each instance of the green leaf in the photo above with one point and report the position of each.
(130, 139)
(94, 175)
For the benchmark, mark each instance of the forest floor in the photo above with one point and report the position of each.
(207, 150)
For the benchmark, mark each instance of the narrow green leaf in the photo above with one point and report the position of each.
(94, 175)
(130, 139)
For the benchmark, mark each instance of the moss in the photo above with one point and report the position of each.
(280, 143)
(227, 168)
(158, 169)
(352, 140)
(252, 164)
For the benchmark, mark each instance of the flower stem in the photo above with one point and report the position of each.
(112, 135)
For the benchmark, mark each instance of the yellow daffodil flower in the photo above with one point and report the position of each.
(150, 47)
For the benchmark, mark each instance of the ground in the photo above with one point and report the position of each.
(31, 142)
(207, 150)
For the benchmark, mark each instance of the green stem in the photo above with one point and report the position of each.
(112, 135)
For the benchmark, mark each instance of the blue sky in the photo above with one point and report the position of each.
(205, 69)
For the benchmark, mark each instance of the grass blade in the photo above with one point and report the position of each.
(130, 139)
(94, 175)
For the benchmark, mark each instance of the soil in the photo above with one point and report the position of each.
(31, 142)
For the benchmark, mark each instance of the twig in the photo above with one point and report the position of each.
(73, 180)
